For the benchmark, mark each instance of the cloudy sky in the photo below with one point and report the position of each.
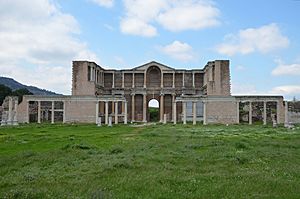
(40, 38)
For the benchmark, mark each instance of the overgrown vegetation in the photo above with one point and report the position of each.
(154, 114)
(159, 161)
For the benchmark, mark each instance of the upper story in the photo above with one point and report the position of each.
(88, 78)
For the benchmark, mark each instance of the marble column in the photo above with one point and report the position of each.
(133, 80)
(194, 113)
(132, 108)
(64, 113)
(174, 113)
(173, 100)
(184, 112)
(123, 80)
(183, 74)
(97, 112)
(52, 112)
(15, 120)
(161, 108)
(145, 79)
(144, 108)
(265, 113)
(125, 113)
(106, 112)
(173, 80)
(204, 113)
(237, 112)
(162, 79)
(27, 112)
(39, 111)
(250, 113)
(193, 80)
(116, 113)
(10, 108)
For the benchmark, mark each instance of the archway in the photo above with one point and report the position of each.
(153, 110)
(153, 77)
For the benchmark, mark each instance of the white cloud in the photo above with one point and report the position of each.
(174, 15)
(179, 50)
(286, 90)
(38, 43)
(263, 39)
(104, 3)
(287, 69)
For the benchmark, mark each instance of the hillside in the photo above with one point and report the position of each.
(14, 85)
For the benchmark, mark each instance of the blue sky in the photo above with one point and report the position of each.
(40, 38)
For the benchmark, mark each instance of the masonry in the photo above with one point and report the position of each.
(198, 95)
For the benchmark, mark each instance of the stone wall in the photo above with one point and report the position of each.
(224, 112)
(80, 111)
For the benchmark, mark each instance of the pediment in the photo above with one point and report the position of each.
(153, 63)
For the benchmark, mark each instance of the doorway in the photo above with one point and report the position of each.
(153, 110)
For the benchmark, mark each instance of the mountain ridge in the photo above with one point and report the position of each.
(14, 85)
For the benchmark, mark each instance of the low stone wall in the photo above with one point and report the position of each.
(222, 112)
(80, 111)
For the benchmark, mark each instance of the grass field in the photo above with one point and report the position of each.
(159, 161)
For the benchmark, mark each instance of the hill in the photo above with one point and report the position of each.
(14, 85)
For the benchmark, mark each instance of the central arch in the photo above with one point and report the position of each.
(153, 77)
(153, 110)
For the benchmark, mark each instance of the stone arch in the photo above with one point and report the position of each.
(153, 77)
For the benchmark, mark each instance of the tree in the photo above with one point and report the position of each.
(20, 92)
(4, 91)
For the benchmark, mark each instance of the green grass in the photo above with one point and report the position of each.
(160, 161)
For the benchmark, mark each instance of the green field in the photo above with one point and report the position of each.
(159, 161)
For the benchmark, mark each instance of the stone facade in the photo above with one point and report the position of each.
(183, 95)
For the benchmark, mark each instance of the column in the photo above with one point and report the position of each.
(39, 111)
(193, 80)
(265, 113)
(15, 120)
(278, 112)
(133, 80)
(123, 80)
(64, 113)
(91, 73)
(113, 80)
(250, 112)
(194, 113)
(183, 79)
(27, 112)
(286, 113)
(173, 80)
(184, 112)
(204, 113)
(132, 108)
(144, 108)
(237, 112)
(10, 105)
(161, 107)
(106, 112)
(116, 113)
(103, 78)
(125, 113)
(97, 112)
(174, 113)
(52, 112)
(162, 79)
(173, 100)
(145, 79)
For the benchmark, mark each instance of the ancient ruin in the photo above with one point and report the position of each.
(200, 95)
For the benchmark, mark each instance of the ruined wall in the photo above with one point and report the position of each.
(22, 111)
(224, 112)
(217, 78)
(80, 111)
(80, 83)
